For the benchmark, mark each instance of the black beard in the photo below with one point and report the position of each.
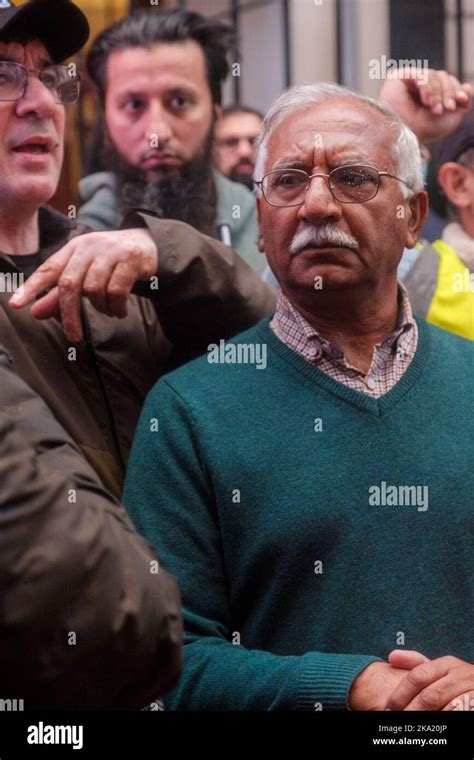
(246, 180)
(188, 197)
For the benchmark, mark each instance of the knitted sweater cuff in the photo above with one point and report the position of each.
(325, 680)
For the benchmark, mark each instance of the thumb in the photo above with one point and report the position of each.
(406, 658)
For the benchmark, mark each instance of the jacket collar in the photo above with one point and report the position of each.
(54, 231)
(226, 198)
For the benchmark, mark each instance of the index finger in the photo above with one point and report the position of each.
(44, 278)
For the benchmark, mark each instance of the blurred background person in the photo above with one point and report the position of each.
(437, 214)
(237, 132)
(440, 279)
(159, 77)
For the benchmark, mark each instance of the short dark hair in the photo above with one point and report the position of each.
(231, 110)
(147, 28)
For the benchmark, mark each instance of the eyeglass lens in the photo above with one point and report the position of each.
(348, 184)
(13, 79)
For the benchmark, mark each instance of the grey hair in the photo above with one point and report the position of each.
(405, 150)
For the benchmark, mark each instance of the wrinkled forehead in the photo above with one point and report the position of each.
(332, 132)
(21, 52)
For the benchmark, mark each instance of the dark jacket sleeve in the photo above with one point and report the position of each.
(86, 621)
(204, 291)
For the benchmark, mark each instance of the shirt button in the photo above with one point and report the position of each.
(370, 383)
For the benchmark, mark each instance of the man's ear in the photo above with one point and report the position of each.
(261, 245)
(217, 112)
(417, 213)
(457, 184)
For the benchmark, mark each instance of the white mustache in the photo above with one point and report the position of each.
(325, 234)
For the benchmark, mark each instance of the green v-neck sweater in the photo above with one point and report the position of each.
(312, 528)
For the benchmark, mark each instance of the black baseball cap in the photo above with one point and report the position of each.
(452, 146)
(59, 24)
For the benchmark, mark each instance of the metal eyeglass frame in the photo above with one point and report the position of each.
(309, 177)
(38, 72)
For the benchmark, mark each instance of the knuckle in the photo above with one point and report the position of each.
(118, 291)
(430, 699)
(135, 253)
(92, 289)
(418, 676)
(66, 284)
(50, 266)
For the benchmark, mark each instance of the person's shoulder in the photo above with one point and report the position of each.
(449, 344)
(235, 191)
(90, 185)
(99, 210)
(227, 364)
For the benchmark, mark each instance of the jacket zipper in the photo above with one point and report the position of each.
(91, 351)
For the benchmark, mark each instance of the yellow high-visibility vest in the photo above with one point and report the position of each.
(452, 307)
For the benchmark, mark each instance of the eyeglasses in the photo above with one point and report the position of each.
(64, 85)
(231, 143)
(348, 184)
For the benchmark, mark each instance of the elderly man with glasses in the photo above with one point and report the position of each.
(316, 507)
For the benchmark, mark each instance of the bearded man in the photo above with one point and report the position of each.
(159, 77)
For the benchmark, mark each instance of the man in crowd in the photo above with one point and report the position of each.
(159, 77)
(92, 371)
(440, 279)
(237, 133)
(86, 621)
(308, 507)
(433, 103)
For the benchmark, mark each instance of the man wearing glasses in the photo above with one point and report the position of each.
(318, 514)
(76, 581)
(237, 133)
(92, 371)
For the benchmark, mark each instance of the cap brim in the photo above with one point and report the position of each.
(60, 25)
